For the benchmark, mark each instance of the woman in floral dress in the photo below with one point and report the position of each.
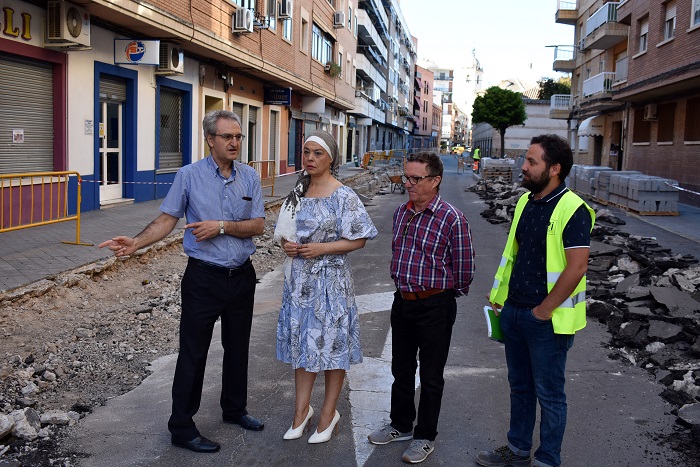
(320, 222)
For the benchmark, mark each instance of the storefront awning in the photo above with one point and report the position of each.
(592, 126)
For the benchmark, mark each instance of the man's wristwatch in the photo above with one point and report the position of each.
(221, 228)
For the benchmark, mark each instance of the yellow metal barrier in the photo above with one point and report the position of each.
(38, 198)
(266, 169)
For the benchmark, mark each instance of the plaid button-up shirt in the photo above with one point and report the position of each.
(432, 249)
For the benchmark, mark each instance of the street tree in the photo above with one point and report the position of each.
(549, 87)
(501, 109)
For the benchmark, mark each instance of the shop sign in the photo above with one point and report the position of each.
(278, 96)
(136, 52)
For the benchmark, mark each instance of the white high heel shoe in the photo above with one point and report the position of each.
(325, 435)
(295, 433)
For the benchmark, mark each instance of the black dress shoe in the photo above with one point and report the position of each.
(248, 422)
(199, 444)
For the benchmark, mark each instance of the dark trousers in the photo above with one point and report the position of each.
(420, 328)
(207, 294)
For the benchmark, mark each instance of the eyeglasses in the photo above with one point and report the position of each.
(228, 138)
(414, 180)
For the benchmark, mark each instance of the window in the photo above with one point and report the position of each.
(695, 19)
(643, 35)
(355, 28)
(350, 18)
(692, 120)
(287, 29)
(272, 14)
(170, 144)
(304, 35)
(670, 21)
(321, 45)
(642, 128)
(250, 4)
(665, 114)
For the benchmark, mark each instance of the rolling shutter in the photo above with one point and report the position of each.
(28, 112)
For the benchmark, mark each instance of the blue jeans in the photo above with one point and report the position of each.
(536, 359)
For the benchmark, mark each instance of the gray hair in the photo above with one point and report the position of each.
(211, 120)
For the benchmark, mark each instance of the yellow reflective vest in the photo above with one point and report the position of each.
(570, 316)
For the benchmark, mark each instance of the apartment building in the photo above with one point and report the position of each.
(116, 91)
(443, 79)
(424, 136)
(635, 87)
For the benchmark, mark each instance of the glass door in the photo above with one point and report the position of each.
(110, 152)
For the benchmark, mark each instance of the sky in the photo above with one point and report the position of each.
(508, 35)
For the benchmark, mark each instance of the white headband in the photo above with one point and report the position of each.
(322, 143)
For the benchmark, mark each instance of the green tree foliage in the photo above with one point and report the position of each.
(501, 109)
(549, 87)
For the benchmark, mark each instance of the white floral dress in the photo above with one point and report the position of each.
(318, 327)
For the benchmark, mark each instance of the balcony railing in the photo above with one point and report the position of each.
(606, 14)
(621, 69)
(598, 84)
(566, 12)
(564, 52)
(560, 102)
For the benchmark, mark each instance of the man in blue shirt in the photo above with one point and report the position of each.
(221, 200)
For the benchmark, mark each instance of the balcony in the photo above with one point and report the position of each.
(621, 70)
(597, 92)
(365, 108)
(375, 10)
(367, 33)
(598, 84)
(566, 12)
(368, 71)
(564, 58)
(560, 106)
(602, 29)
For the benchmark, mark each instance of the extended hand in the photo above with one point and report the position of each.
(121, 246)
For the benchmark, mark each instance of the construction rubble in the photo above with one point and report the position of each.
(646, 296)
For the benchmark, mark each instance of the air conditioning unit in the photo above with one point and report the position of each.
(338, 19)
(650, 112)
(242, 21)
(285, 9)
(67, 25)
(171, 60)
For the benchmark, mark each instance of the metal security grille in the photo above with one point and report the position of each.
(26, 119)
(273, 134)
(112, 89)
(238, 109)
(170, 148)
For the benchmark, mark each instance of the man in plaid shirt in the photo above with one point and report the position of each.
(432, 264)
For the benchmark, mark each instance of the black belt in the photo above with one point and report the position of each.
(220, 269)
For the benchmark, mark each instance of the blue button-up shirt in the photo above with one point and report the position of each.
(199, 193)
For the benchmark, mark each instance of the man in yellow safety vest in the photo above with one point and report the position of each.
(540, 289)
(477, 160)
